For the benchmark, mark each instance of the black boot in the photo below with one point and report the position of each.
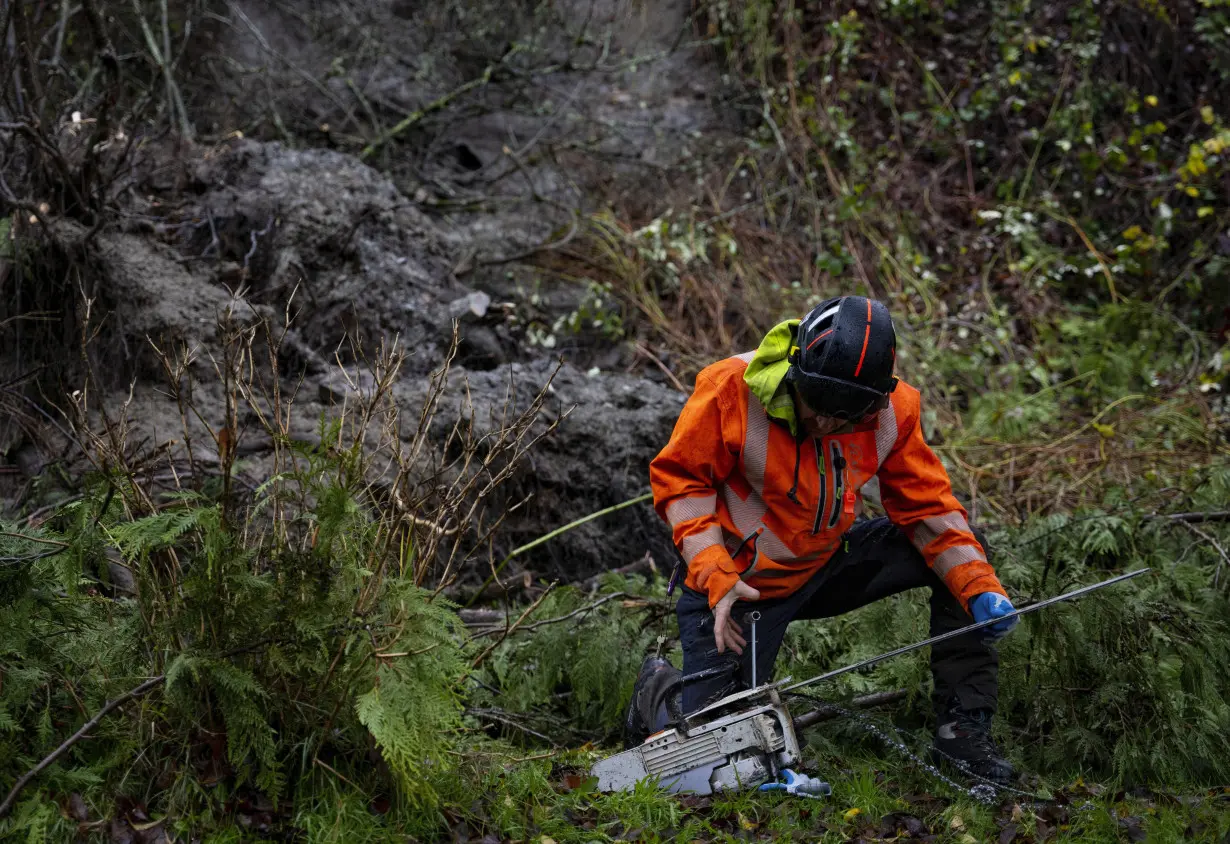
(657, 700)
(965, 738)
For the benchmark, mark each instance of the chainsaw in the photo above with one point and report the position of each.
(749, 739)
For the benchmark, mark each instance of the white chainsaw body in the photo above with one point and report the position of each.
(741, 741)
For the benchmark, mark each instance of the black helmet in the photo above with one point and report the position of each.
(842, 365)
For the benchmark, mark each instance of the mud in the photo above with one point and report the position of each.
(271, 213)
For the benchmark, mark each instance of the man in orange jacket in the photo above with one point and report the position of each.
(761, 483)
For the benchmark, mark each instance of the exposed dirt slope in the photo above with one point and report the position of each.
(275, 211)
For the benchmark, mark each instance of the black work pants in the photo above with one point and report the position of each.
(876, 561)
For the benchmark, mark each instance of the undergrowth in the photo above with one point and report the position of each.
(1045, 216)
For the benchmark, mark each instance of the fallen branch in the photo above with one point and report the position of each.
(483, 617)
(48, 760)
(807, 719)
(1212, 516)
(578, 611)
(498, 619)
(108, 707)
(434, 106)
(1212, 540)
(672, 377)
(489, 617)
(560, 530)
(501, 717)
(478, 660)
(645, 564)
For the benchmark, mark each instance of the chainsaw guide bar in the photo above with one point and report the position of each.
(748, 738)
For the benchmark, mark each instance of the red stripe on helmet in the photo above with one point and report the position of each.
(866, 337)
(818, 339)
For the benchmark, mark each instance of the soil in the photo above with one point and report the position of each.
(273, 212)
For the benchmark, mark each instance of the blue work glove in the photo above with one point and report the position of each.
(990, 605)
(799, 785)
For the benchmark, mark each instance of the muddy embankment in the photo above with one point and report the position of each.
(273, 210)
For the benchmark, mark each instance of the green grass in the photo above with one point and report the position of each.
(874, 797)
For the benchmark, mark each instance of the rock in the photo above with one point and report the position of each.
(597, 458)
(364, 264)
(480, 348)
(121, 576)
(474, 304)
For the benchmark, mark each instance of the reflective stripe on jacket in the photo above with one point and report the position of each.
(729, 470)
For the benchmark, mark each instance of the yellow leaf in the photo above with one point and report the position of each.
(1151, 101)
(1213, 146)
(1206, 211)
(1014, 78)
(1195, 161)
(546, 839)
(1133, 233)
(749, 825)
(1107, 431)
(851, 814)
(1206, 114)
(1192, 191)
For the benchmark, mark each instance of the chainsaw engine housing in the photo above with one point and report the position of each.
(741, 741)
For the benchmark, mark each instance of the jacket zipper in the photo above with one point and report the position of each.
(815, 528)
(839, 472)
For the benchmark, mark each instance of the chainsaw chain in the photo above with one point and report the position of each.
(985, 791)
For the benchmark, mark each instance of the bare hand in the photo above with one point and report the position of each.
(726, 631)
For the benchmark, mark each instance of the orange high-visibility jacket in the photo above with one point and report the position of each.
(729, 468)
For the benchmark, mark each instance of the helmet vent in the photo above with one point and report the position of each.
(827, 315)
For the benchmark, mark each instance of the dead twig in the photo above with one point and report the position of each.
(540, 540)
(644, 564)
(1212, 516)
(502, 717)
(1212, 540)
(524, 628)
(54, 542)
(50, 758)
(435, 105)
(1098, 256)
(674, 379)
(478, 660)
(300, 72)
(490, 617)
(469, 265)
